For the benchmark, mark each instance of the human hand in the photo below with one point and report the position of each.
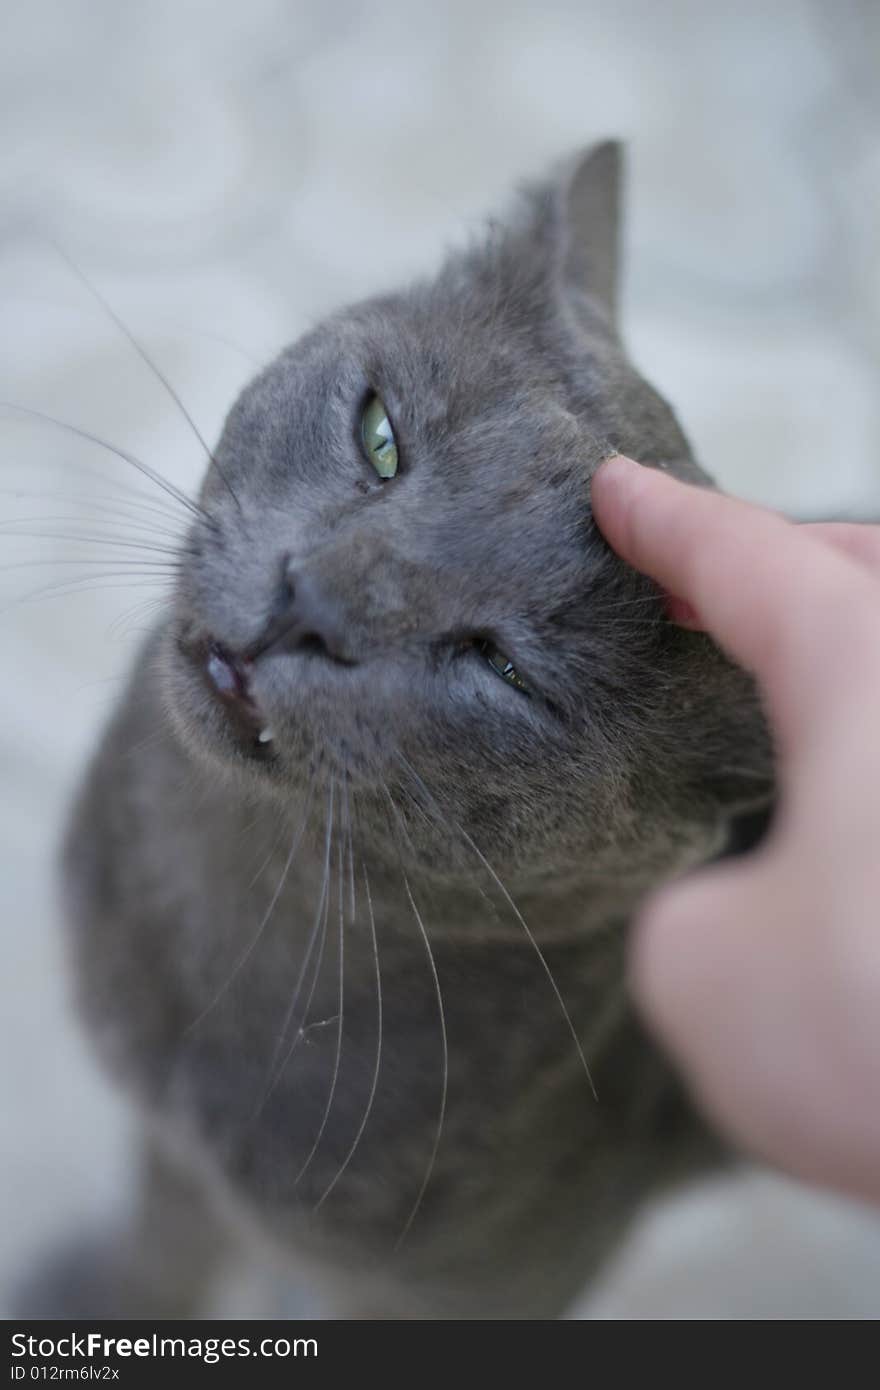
(762, 975)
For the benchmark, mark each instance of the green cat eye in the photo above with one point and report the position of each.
(503, 666)
(378, 437)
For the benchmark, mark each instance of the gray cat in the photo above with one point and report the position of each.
(350, 872)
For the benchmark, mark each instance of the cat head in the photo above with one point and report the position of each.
(400, 590)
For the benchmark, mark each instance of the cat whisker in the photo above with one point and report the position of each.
(303, 1027)
(13, 529)
(264, 922)
(302, 1033)
(120, 489)
(131, 518)
(276, 1069)
(377, 1062)
(140, 563)
(122, 625)
(267, 860)
(340, 1025)
(257, 362)
(144, 468)
(86, 584)
(350, 818)
(441, 1115)
(404, 829)
(520, 919)
(150, 364)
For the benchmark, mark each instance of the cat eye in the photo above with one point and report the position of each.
(380, 445)
(502, 665)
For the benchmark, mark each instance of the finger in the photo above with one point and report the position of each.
(859, 540)
(789, 607)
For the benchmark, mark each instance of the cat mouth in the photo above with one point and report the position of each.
(228, 678)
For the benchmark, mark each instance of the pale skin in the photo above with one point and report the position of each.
(762, 976)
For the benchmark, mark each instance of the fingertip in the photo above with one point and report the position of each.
(612, 489)
(614, 474)
(617, 465)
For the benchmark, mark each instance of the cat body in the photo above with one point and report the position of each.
(349, 875)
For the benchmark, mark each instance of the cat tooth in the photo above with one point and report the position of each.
(265, 735)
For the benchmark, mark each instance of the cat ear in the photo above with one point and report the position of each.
(585, 212)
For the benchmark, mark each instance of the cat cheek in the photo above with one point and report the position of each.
(682, 613)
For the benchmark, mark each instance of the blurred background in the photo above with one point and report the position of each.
(225, 172)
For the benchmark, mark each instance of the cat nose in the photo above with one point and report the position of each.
(307, 618)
